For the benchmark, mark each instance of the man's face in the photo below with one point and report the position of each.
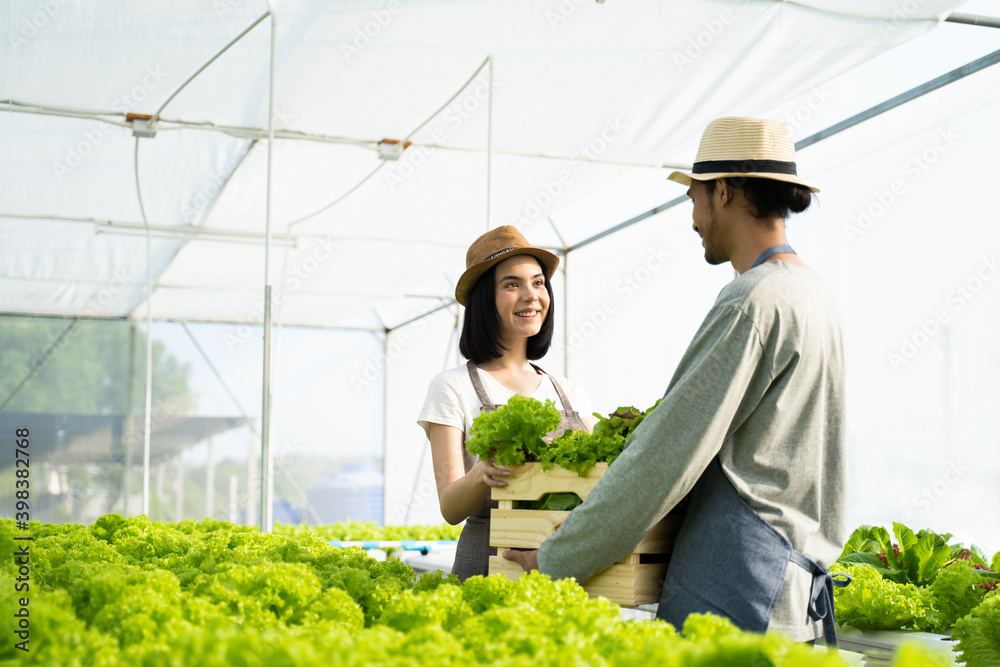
(706, 223)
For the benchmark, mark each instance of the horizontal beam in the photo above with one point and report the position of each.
(954, 75)
(973, 19)
(243, 132)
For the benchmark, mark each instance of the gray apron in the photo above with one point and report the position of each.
(731, 562)
(472, 555)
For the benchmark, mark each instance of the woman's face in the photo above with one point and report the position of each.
(521, 298)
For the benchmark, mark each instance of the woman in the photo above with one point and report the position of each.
(507, 295)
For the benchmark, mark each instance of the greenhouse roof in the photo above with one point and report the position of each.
(582, 94)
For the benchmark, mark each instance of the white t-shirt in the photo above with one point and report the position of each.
(452, 400)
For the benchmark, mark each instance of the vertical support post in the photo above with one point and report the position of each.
(234, 508)
(565, 264)
(147, 426)
(385, 419)
(253, 484)
(161, 478)
(266, 461)
(128, 440)
(489, 149)
(210, 482)
(179, 496)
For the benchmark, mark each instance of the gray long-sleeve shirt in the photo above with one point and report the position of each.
(762, 387)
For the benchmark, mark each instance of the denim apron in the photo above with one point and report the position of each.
(472, 555)
(731, 562)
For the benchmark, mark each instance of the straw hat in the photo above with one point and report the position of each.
(494, 247)
(751, 147)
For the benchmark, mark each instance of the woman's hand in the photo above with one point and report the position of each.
(494, 475)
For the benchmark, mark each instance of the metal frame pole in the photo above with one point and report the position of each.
(266, 460)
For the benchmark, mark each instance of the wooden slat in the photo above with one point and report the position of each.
(523, 529)
(628, 582)
(626, 585)
(660, 540)
(530, 482)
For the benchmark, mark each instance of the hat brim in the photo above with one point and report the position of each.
(549, 262)
(685, 179)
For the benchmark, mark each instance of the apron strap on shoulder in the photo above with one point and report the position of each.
(559, 392)
(477, 384)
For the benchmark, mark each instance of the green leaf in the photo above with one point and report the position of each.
(513, 431)
(921, 556)
(978, 633)
(907, 540)
(870, 559)
(868, 539)
(561, 502)
(871, 602)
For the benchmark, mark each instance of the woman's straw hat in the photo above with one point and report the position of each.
(494, 247)
(749, 147)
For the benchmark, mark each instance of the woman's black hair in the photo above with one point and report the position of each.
(480, 341)
(769, 198)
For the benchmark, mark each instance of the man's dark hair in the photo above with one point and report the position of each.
(769, 198)
(480, 339)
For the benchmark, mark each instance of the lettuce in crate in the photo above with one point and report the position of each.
(513, 432)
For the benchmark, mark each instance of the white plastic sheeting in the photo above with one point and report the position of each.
(581, 93)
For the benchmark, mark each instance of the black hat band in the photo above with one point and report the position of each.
(744, 167)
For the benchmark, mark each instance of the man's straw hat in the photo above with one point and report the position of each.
(749, 147)
(494, 247)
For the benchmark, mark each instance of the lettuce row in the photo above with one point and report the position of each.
(132, 592)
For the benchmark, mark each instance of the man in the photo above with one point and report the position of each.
(751, 425)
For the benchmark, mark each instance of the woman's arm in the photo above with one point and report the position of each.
(459, 493)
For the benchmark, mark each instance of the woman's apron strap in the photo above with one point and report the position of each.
(477, 384)
(559, 392)
(821, 597)
(570, 419)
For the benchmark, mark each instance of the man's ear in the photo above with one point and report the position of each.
(725, 191)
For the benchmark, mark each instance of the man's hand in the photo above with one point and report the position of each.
(528, 560)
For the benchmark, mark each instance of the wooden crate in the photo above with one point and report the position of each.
(633, 580)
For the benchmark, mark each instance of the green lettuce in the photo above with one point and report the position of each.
(513, 432)
(978, 634)
(871, 602)
(954, 593)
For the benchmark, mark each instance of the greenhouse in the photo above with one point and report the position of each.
(233, 238)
